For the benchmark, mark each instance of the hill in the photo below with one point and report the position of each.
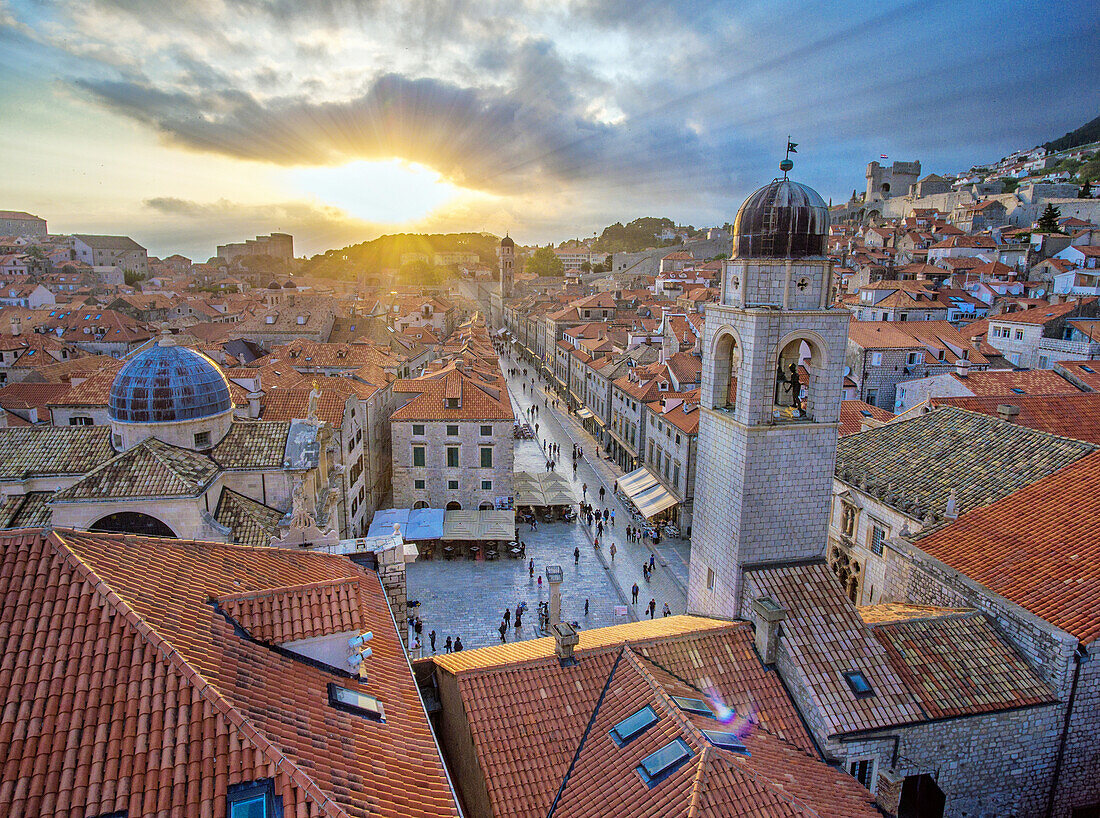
(1089, 132)
(639, 234)
(393, 252)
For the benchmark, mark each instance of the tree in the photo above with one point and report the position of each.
(1048, 222)
(131, 277)
(544, 262)
(586, 267)
(1086, 190)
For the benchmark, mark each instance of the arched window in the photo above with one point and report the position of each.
(132, 522)
(485, 506)
(796, 362)
(727, 365)
(420, 504)
(454, 506)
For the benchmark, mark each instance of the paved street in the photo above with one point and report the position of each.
(467, 597)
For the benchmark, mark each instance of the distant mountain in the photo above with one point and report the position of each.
(1089, 132)
(639, 234)
(386, 252)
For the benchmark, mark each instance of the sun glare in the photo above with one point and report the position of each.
(386, 192)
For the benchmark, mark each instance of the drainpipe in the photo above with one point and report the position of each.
(1080, 655)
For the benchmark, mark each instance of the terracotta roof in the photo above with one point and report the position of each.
(1004, 383)
(1076, 415)
(145, 676)
(251, 522)
(915, 464)
(29, 510)
(291, 404)
(253, 445)
(1036, 548)
(44, 451)
(853, 413)
(1040, 315)
(568, 765)
(426, 398)
(959, 665)
(1082, 373)
(152, 468)
(889, 612)
(279, 615)
(880, 335)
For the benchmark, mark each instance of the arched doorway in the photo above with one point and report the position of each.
(132, 522)
(485, 506)
(454, 506)
(420, 504)
(727, 364)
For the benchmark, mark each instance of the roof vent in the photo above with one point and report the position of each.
(1008, 412)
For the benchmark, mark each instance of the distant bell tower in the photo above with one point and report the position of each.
(773, 364)
(507, 266)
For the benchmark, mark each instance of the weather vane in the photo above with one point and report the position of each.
(787, 164)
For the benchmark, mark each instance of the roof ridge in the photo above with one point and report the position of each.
(282, 589)
(740, 764)
(697, 781)
(232, 714)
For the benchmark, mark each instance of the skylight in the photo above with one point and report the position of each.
(728, 741)
(353, 701)
(661, 764)
(1087, 368)
(633, 725)
(697, 706)
(1017, 390)
(859, 684)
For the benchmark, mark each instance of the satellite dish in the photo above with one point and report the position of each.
(847, 371)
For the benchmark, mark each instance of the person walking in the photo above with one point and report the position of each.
(458, 644)
(633, 595)
(418, 627)
(503, 629)
(601, 493)
(574, 469)
(652, 561)
(577, 555)
(531, 567)
(667, 611)
(652, 607)
(540, 582)
(519, 617)
(612, 549)
(612, 518)
(447, 645)
(584, 490)
(508, 615)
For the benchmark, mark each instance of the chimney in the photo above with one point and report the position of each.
(554, 576)
(16, 326)
(768, 617)
(1008, 412)
(962, 367)
(254, 404)
(565, 639)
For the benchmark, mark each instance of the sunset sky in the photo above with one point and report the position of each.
(192, 122)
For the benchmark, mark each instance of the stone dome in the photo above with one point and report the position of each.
(168, 383)
(783, 219)
(274, 285)
(507, 242)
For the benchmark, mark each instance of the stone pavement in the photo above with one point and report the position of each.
(669, 582)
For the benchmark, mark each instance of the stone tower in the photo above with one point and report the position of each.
(883, 183)
(773, 364)
(507, 266)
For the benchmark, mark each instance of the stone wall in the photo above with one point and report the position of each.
(436, 474)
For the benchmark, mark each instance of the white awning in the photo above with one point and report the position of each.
(646, 492)
(584, 412)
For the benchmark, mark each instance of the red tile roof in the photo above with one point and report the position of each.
(124, 688)
(1040, 315)
(1001, 382)
(1076, 415)
(853, 413)
(1037, 548)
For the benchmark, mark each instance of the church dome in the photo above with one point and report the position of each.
(168, 383)
(507, 242)
(783, 219)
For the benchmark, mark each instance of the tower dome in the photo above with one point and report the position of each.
(783, 219)
(167, 384)
(507, 242)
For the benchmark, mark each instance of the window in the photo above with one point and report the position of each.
(486, 485)
(452, 457)
(486, 431)
(1044, 362)
(418, 484)
(710, 579)
(878, 534)
(633, 726)
(1019, 335)
(452, 430)
(872, 395)
(661, 764)
(418, 455)
(486, 457)
(676, 474)
(79, 420)
(343, 698)
(255, 800)
(730, 741)
(859, 684)
(452, 485)
(452, 403)
(696, 706)
(876, 359)
(863, 771)
(418, 429)
(116, 440)
(912, 359)
(202, 440)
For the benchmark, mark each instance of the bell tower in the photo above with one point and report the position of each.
(773, 364)
(507, 266)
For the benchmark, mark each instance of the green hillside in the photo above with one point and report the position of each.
(1087, 133)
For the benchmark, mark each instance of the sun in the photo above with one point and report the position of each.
(390, 191)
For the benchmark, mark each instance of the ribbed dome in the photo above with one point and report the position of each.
(507, 242)
(168, 383)
(783, 219)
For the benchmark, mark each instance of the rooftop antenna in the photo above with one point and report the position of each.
(787, 164)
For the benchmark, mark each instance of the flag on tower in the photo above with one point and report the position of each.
(791, 147)
(883, 156)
